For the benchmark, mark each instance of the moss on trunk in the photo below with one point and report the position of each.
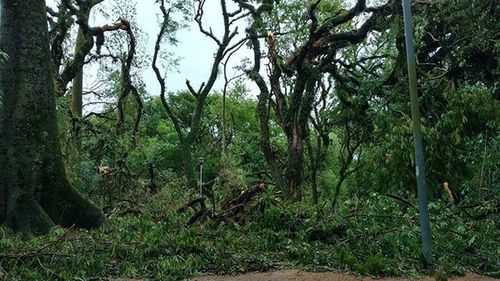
(35, 191)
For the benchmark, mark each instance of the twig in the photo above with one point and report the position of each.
(49, 270)
(57, 240)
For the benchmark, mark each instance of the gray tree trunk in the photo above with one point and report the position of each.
(35, 193)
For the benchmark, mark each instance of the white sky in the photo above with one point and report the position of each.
(195, 50)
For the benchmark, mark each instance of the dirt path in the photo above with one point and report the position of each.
(297, 275)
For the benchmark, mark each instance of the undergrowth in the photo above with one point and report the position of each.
(145, 237)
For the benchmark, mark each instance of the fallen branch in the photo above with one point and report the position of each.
(234, 208)
(40, 252)
(400, 199)
(192, 203)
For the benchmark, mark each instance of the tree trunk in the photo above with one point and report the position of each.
(294, 167)
(313, 169)
(188, 165)
(338, 185)
(35, 191)
(295, 128)
(265, 138)
(317, 159)
(77, 91)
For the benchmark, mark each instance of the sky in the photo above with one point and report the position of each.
(195, 50)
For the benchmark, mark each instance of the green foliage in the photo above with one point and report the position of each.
(459, 135)
(369, 233)
(372, 236)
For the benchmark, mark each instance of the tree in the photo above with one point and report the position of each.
(77, 91)
(293, 77)
(35, 193)
(458, 94)
(224, 47)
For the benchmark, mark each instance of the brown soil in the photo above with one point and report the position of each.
(298, 275)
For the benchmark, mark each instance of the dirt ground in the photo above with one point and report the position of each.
(297, 275)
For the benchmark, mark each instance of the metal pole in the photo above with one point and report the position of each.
(224, 122)
(417, 135)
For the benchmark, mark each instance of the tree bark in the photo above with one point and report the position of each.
(294, 167)
(35, 193)
(188, 165)
(313, 168)
(77, 91)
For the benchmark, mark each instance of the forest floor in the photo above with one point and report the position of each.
(298, 275)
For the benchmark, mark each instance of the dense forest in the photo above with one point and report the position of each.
(295, 151)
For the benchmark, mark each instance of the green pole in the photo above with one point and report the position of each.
(417, 135)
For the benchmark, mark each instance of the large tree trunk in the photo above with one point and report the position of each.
(35, 191)
(294, 166)
(295, 126)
